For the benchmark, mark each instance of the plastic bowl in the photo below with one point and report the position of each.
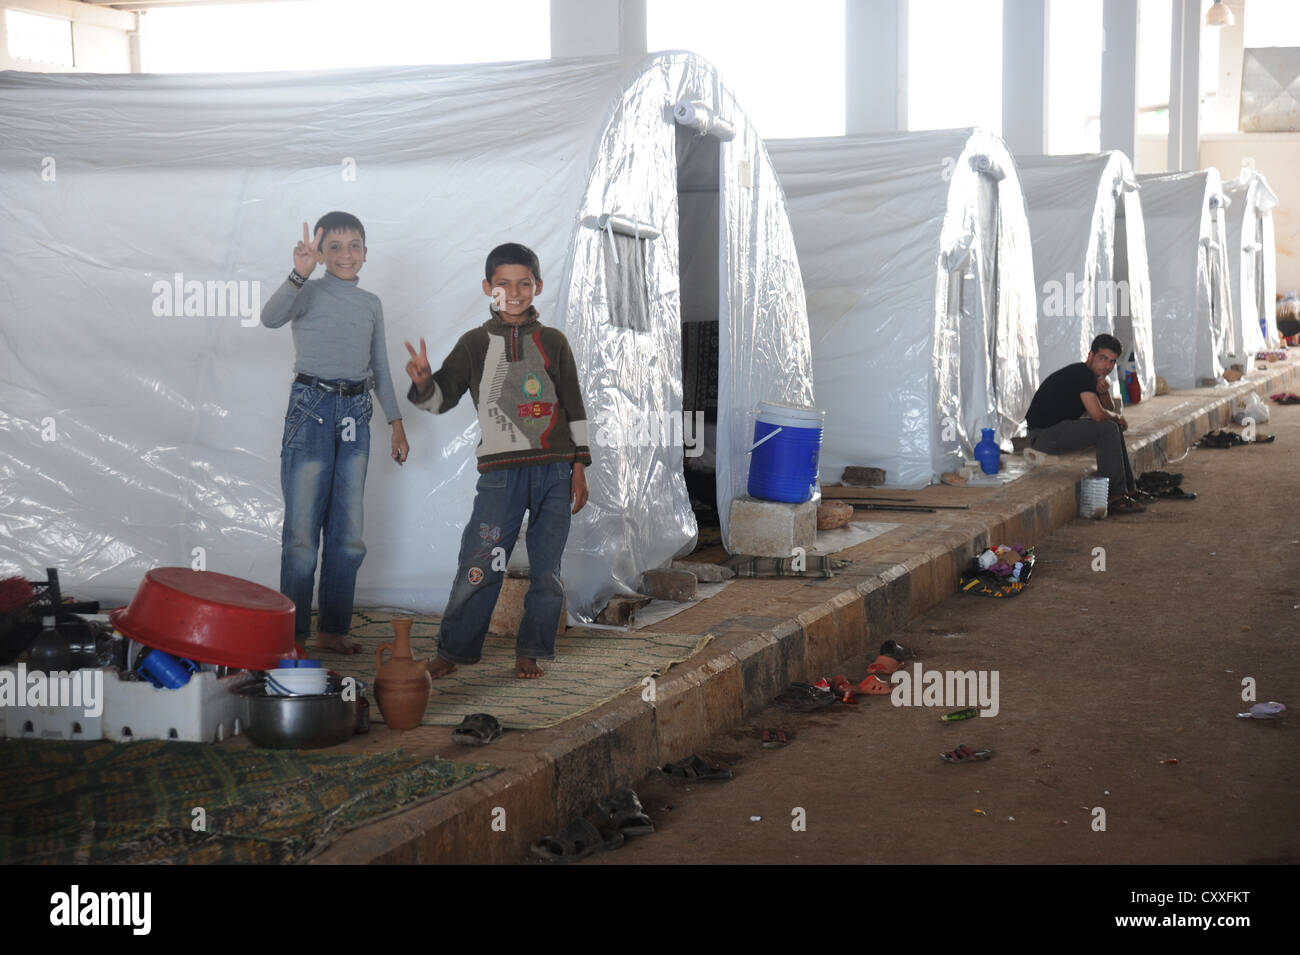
(209, 617)
(297, 682)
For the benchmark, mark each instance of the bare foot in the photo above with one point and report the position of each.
(337, 643)
(526, 668)
(438, 667)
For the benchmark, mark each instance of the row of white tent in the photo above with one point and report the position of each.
(146, 215)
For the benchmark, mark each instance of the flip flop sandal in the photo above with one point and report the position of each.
(478, 729)
(774, 739)
(884, 665)
(578, 840)
(1124, 505)
(1144, 497)
(874, 686)
(842, 688)
(692, 769)
(892, 648)
(1175, 493)
(964, 754)
(1221, 439)
(1262, 439)
(1155, 479)
(803, 697)
(621, 810)
(1286, 398)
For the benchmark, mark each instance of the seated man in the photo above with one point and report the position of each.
(1072, 410)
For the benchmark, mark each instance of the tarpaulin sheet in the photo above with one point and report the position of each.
(1191, 309)
(1090, 258)
(1252, 262)
(134, 437)
(917, 266)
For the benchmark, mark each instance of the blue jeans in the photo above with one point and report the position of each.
(499, 505)
(323, 462)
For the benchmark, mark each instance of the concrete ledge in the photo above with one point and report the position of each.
(793, 629)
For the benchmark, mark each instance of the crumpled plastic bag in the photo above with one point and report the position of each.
(1253, 408)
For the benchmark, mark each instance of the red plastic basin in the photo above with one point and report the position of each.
(209, 617)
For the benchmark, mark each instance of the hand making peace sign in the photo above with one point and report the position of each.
(418, 368)
(306, 254)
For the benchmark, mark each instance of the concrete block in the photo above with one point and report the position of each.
(679, 585)
(769, 529)
(618, 612)
(509, 611)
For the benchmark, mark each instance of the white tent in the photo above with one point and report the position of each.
(1252, 262)
(1191, 311)
(1090, 258)
(134, 438)
(916, 262)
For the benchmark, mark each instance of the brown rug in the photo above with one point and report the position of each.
(591, 668)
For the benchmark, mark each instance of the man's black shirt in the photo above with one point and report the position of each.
(1057, 398)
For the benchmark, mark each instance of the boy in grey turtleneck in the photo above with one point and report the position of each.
(338, 336)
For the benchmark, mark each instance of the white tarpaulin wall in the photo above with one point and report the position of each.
(1090, 258)
(1252, 262)
(132, 438)
(916, 263)
(1191, 311)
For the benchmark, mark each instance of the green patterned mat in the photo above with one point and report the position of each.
(102, 802)
(591, 668)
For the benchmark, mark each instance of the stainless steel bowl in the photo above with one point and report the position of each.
(296, 722)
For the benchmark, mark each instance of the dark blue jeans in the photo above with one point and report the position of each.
(499, 505)
(323, 462)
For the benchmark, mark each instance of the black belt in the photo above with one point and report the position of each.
(344, 389)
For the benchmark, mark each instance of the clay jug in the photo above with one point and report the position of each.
(403, 684)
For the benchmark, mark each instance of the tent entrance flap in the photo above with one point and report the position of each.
(699, 243)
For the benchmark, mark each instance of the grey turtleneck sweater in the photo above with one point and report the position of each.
(338, 332)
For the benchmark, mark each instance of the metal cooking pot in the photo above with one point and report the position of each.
(296, 722)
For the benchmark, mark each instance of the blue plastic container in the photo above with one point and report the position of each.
(783, 458)
(987, 452)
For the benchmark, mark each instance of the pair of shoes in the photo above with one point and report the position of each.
(1124, 505)
(692, 769)
(477, 729)
(577, 840)
(1154, 480)
(1230, 439)
(1286, 398)
(964, 754)
(892, 656)
(774, 739)
(803, 697)
(616, 817)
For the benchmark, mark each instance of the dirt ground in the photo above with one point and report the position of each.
(1102, 676)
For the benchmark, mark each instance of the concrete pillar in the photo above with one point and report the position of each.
(875, 66)
(1232, 44)
(1119, 72)
(1024, 76)
(598, 28)
(1184, 85)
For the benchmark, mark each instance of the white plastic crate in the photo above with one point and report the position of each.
(204, 710)
(72, 698)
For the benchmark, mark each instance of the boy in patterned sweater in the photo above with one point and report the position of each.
(532, 457)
